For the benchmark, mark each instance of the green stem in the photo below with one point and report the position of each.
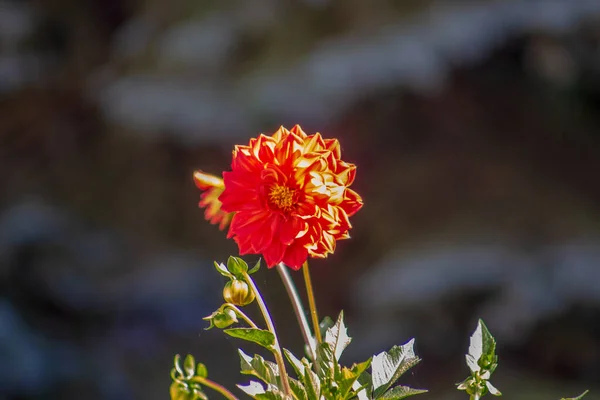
(241, 314)
(298, 307)
(277, 349)
(216, 387)
(311, 302)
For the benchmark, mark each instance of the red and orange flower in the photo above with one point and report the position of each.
(290, 197)
(212, 187)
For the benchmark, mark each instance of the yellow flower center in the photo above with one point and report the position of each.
(282, 198)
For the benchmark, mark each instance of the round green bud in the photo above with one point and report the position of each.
(238, 293)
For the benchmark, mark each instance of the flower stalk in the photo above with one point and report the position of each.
(271, 327)
(288, 283)
(311, 302)
(241, 314)
(216, 387)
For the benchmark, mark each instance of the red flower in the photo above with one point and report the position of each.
(290, 196)
(213, 187)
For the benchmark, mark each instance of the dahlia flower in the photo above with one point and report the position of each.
(289, 197)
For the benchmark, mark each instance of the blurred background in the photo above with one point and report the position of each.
(475, 126)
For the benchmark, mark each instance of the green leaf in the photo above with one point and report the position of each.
(325, 363)
(237, 267)
(222, 269)
(258, 336)
(387, 367)
(189, 366)
(401, 392)
(252, 389)
(298, 389)
(266, 371)
(296, 364)
(482, 349)
(578, 397)
(337, 338)
(201, 370)
(312, 384)
(348, 376)
(255, 268)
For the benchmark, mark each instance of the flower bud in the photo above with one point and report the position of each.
(238, 293)
(224, 319)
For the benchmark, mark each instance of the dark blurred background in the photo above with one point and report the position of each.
(475, 126)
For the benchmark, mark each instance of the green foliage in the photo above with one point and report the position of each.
(328, 379)
(323, 378)
(389, 366)
(258, 336)
(266, 371)
(186, 379)
(482, 361)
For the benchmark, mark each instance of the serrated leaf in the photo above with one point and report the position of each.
(252, 388)
(492, 389)
(266, 371)
(222, 269)
(482, 346)
(387, 367)
(337, 337)
(237, 267)
(295, 362)
(401, 392)
(578, 397)
(258, 336)
(255, 268)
